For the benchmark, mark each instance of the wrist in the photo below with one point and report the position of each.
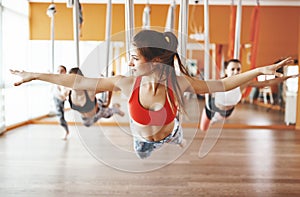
(35, 76)
(259, 71)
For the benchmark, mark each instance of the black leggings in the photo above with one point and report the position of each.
(212, 109)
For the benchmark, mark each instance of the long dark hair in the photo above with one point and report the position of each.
(163, 46)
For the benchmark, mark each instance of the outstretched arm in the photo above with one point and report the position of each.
(75, 82)
(228, 83)
(240, 79)
(271, 81)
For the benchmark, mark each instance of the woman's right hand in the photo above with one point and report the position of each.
(25, 76)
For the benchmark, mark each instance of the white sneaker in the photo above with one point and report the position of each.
(183, 143)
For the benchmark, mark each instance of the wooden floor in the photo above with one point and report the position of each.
(99, 161)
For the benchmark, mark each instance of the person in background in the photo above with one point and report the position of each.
(220, 105)
(60, 94)
(91, 108)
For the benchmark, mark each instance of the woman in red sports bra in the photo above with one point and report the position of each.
(154, 90)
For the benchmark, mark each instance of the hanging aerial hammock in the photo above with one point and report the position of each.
(106, 96)
(232, 30)
(197, 30)
(77, 24)
(254, 35)
(80, 18)
(170, 22)
(146, 16)
(219, 57)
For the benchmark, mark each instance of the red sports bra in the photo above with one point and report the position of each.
(145, 116)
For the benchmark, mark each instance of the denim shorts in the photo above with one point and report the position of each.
(144, 148)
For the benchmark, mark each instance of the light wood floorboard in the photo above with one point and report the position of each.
(99, 161)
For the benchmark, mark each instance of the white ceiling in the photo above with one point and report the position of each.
(212, 2)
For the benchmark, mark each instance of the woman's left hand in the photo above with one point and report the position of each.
(271, 69)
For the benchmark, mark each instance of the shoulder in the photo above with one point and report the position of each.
(124, 83)
(121, 79)
(184, 81)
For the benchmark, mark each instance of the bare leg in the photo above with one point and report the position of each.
(66, 135)
(60, 113)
